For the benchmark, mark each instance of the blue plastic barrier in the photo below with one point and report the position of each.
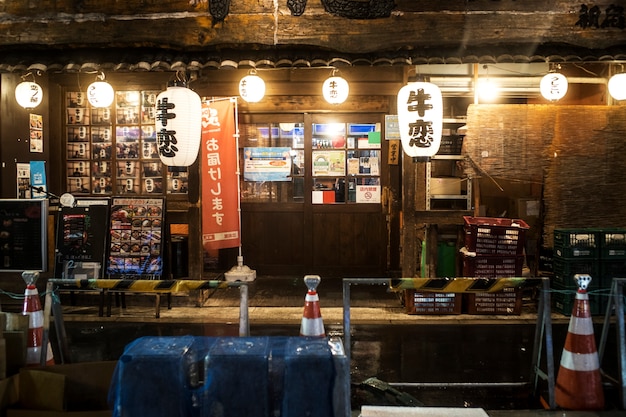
(232, 376)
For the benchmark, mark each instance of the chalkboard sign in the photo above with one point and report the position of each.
(23, 235)
(135, 249)
(81, 239)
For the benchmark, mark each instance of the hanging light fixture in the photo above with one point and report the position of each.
(252, 87)
(28, 94)
(100, 93)
(178, 124)
(486, 89)
(335, 89)
(553, 85)
(617, 86)
(420, 118)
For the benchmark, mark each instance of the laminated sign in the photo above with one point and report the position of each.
(420, 118)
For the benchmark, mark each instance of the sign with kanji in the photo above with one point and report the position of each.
(420, 118)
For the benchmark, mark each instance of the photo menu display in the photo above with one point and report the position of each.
(135, 250)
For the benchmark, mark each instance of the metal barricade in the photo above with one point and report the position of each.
(543, 329)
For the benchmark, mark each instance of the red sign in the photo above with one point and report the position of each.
(220, 200)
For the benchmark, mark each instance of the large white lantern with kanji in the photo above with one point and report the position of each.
(28, 94)
(420, 119)
(178, 126)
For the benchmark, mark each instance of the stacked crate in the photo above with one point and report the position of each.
(600, 253)
(494, 248)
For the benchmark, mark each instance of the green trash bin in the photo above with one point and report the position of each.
(446, 259)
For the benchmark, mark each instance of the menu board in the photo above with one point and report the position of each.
(23, 235)
(135, 248)
(81, 241)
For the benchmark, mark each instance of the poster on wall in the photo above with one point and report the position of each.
(267, 164)
(23, 234)
(81, 240)
(136, 236)
(329, 163)
(36, 133)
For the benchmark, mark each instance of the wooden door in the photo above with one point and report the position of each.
(318, 222)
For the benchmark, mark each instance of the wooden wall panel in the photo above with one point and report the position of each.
(262, 23)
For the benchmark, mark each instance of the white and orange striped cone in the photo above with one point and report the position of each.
(579, 382)
(32, 308)
(312, 324)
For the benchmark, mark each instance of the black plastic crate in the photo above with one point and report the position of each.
(611, 268)
(562, 300)
(565, 269)
(577, 243)
(612, 244)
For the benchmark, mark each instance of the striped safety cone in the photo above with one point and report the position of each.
(312, 324)
(32, 308)
(579, 382)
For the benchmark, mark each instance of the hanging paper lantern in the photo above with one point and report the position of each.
(28, 94)
(252, 88)
(617, 86)
(335, 90)
(420, 118)
(100, 94)
(178, 126)
(553, 86)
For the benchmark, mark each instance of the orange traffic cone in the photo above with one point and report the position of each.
(312, 324)
(579, 383)
(32, 308)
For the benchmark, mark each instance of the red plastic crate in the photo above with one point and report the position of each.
(495, 236)
(508, 301)
(493, 266)
(424, 302)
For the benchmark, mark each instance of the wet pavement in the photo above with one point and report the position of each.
(437, 361)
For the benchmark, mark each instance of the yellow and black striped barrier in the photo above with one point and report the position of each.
(141, 285)
(457, 285)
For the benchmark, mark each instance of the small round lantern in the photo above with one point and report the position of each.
(28, 94)
(335, 90)
(553, 86)
(178, 124)
(100, 93)
(617, 86)
(252, 88)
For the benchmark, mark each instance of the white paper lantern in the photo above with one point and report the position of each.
(420, 118)
(617, 86)
(178, 126)
(100, 94)
(252, 88)
(28, 94)
(553, 86)
(335, 90)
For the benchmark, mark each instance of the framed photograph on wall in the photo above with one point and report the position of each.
(136, 238)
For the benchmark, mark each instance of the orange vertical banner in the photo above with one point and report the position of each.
(220, 202)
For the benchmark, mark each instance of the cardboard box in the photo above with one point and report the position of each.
(73, 390)
(445, 186)
(16, 345)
